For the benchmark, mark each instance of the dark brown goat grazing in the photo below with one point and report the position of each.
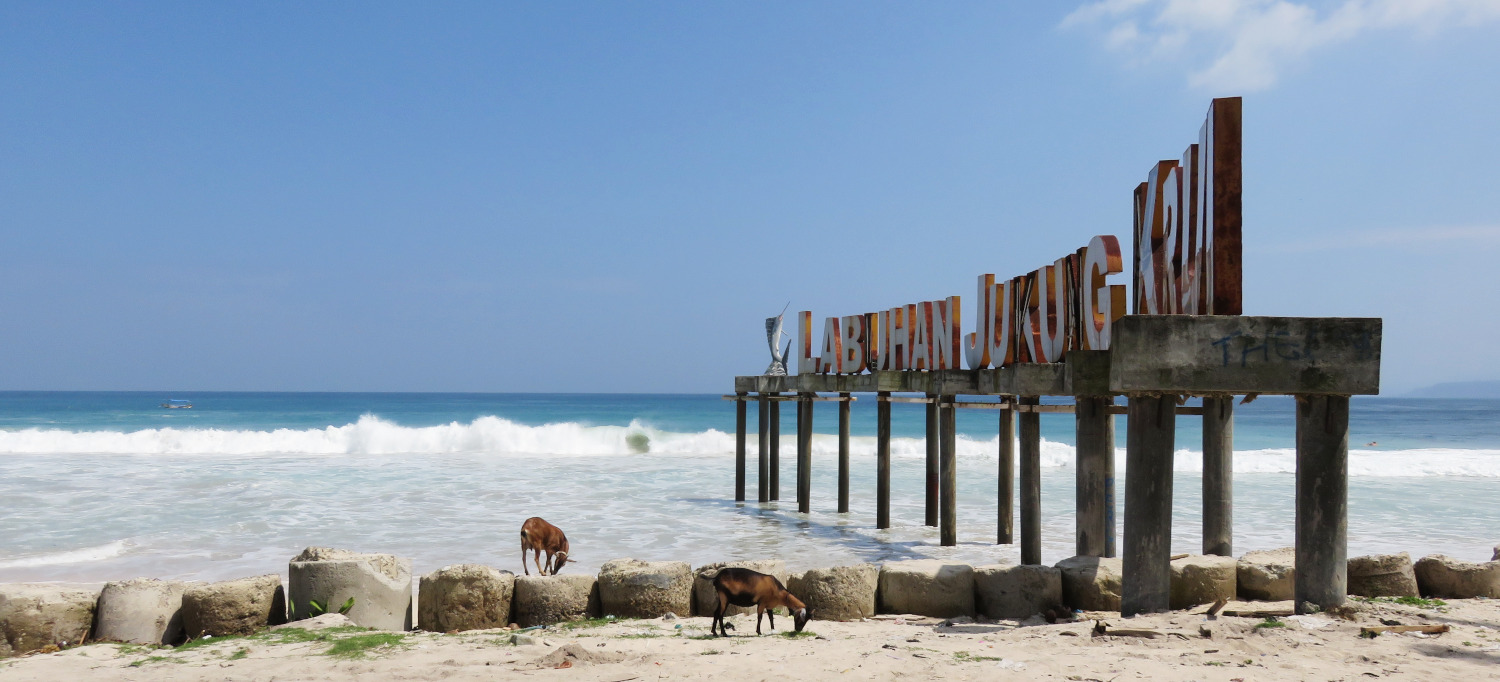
(744, 587)
(539, 536)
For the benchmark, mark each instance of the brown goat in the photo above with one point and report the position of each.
(539, 536)
(744, 587)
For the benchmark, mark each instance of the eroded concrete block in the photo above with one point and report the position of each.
(465, 597)
(233, 607)
(1444, 576)
(926, 587)
(629, 588)
(1003, 591)
(1203, 580)
(1091, 583)
(33, 616)
(544, 600)
(705, 600)
(837, 593)
(379, 583)
(1267, 575)
(141, 611)
(1382, 575)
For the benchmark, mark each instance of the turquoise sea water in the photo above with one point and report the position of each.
(100, 486)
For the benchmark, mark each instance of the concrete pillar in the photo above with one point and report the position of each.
(1005, 524)
(1095, 476)
(1146, 564)
(763, 481)
(775, 448)
(1218, 476)
(1322, 500)
(739, 448)
(883, 460)
(1031, 483)
(948, 465)
(844, 453)
(932, 460)
(804, 452)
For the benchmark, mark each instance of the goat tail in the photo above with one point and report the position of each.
(524, 535)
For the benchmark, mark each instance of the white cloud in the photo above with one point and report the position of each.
(1242, 45)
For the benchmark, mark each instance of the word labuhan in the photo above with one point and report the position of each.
(1186, 262)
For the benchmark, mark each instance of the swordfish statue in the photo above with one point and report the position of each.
(777, 367)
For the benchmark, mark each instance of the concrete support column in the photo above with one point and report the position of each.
(763, 480)
(1031, 483)
(1218, 476)
(883, 460)
(948, 460)
(1095, 477)
(1005, 524)
(739, 448)
(1149, 443)
(775, 448)
(844, 453)
(804, 452)
(932, 460)
(1322, 500)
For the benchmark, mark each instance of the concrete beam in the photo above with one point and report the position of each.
(1087, 373)
(1237, 354)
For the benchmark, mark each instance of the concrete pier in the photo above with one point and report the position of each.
(1322, 500)
(948, 460)
(1218, 475)
(883, 460)
(763, 479)
(1150, 434)
(775, 449)
(739, 447)
(1031, 482)
(804, 452)
(933, 473)
(844, 453)
(1095, 476)
(1005, 523)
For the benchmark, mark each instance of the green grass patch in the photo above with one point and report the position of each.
(356, 646)
(205, 641)
(1215, 663)
(239, 654)
(966, 657)
(793, 634)
(584, 623)
(133, 649)
(1272, 622)
(154, 659)
(710, 652)
(641, 635)
(299, 635)
(1418, 602)
(700, 637)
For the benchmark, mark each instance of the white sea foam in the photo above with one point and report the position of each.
(493, 435)
(76, 556)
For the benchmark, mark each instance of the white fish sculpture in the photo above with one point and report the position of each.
(777, 367)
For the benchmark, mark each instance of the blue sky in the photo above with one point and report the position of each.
(612, 196)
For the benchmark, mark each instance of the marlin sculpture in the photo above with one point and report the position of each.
(773, 336)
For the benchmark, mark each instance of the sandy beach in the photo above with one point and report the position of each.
(1187, 645)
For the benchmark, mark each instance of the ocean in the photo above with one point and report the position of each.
(104, 486)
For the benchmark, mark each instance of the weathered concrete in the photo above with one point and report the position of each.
(1267, 575)
(629, 588)
(1094, 480)
(1031, 483)
(1218, 476)
(1383, 575)
(141, 611)
(948, 473)
(775, 436)
(1002, 591)
(1202, 580)
(882, 461)
(1006, 490)
(804, 453)
(34, 616)
(1322, 501)
(844, 453)
(739, 448)
(1496, 555)
(930, 500)
(1150, 430)
(705, 599)
(233, 607)
(763, 441)
(1444, 576)
(1242, 354)
(379, 583)
(837, 593)
(465, 597)
(544, 600)
(1091, 583)
(927, 587)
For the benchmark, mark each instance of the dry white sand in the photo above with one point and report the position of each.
(1191, 647)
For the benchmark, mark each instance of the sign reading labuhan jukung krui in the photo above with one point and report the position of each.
(1187, 261)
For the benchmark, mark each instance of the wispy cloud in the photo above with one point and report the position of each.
(1475, 236)
(1246, 43)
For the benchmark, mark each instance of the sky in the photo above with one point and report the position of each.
(611, 197)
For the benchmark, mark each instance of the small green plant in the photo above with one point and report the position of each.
(793, 634)
(585, 623)
(1215, 663)
(1418, 602)
(1248, 662)
(133, 649)
(710, 652)
(205, 641)
(1272, 622)
(239, 654)
(154, 659)
(356, 646)
(641, 635)
(1468, 643)
(316, 608)
(966, 657)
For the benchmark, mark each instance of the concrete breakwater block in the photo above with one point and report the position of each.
(705, 599)
(544, 600)
(379, 583)
(233, 607)
(1019, 592)
(141, 611)
(1444, 576)
(1267, 575)
(1382, 575)
(926, 587)
(837, 593)
(34, 616)
(1091, 583)
(465, 597)
(629, 588)
(1203, 580)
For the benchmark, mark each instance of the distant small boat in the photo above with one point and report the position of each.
(178, 404)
